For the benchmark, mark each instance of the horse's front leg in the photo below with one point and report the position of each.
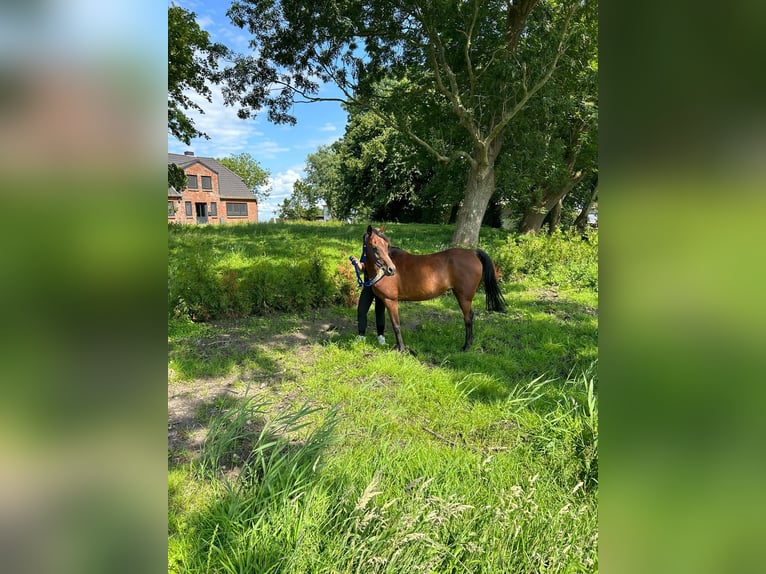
(393, 313)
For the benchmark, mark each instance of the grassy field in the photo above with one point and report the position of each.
(295, 448)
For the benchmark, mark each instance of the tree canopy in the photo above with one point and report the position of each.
(192, 63)
(302, 204)
(478, 62)
(176, 177)
(253, 175)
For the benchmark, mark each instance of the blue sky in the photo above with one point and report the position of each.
(280, 149)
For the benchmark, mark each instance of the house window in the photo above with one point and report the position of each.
(236, 209)
(171, 208)
(213, 209)
(207, 182)
(188, 209)
(191, 181)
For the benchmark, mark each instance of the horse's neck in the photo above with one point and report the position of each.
(399, 256)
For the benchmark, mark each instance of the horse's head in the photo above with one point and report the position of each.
(377, 246)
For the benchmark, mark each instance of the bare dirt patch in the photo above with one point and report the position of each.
(192, 402)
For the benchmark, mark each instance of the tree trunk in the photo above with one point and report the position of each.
(554, 217)
(582, 220)
(478, 191)
(535, 215)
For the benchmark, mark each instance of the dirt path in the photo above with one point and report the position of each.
(192, 402)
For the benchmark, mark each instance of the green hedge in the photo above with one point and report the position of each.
(220, 272)
(564, 259)
(205, 284)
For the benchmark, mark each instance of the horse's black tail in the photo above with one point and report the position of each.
(495, 300)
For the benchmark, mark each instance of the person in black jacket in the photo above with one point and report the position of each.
(365, 301)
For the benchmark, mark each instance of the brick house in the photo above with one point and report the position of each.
(214, 193)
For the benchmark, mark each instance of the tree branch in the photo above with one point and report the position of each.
(497, 130)
(467, 53)
(465, 118)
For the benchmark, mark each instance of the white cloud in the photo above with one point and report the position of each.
(204, 22)
(228, 133)
(328, 127)
(281, 188)
(282, 183)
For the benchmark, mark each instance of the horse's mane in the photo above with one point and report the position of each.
(392, 250)
(382, 235)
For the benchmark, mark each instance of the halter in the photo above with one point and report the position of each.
(370, 282)
(379, 275)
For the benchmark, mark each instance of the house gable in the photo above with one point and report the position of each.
(228, 200)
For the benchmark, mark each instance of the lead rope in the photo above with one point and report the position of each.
(370, 282)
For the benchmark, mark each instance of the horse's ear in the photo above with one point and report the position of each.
(369, 230)
(382, 229)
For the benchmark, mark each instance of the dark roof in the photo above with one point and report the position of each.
(230, 184)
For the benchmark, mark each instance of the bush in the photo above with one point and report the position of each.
(345, 278)
(206, 283)
(235, 271)
(297, 285)
(193, 289)
(564, 259)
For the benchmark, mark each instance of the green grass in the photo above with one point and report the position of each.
(343, 456)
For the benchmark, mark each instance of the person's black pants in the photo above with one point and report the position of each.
(365, 300)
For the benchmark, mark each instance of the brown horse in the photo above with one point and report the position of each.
(407, 277)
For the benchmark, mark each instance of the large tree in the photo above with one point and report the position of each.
(303, 204)
(322, 181)
(483, 60)
(192, 65)
(560, 152)
(253, 175)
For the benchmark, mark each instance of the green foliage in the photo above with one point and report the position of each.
(192, 63)
(451, 76)
(176, 177)
(220, 273)
(297, 285)
(382, 175)
(253, 175)
(564, 259)
(302, 204)
(193, 287)
(236, 271)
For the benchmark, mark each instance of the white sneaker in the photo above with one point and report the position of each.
(360, 337)
(381, 340)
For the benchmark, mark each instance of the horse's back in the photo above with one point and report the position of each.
(423, 277)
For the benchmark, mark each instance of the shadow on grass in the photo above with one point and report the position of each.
(543, 337)
(261, 464)
(221, 350)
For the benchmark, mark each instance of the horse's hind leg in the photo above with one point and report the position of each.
(465, 306)
(393, 313)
